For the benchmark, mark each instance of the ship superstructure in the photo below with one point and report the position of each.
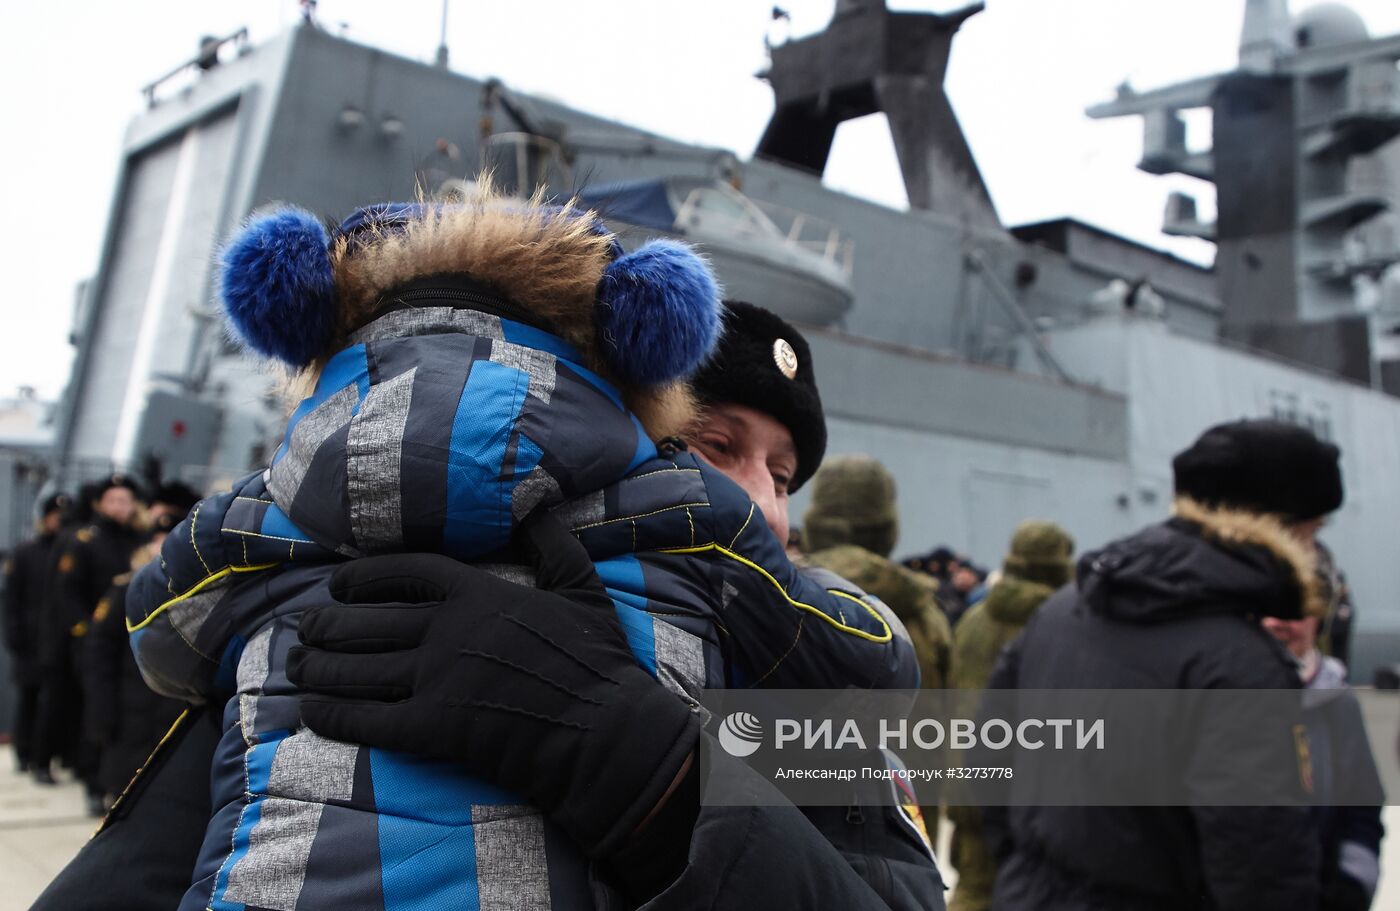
(1307, 175)
(1001, 372)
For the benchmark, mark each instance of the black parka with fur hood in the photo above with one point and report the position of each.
(1173, 607)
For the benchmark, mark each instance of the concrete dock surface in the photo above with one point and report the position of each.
(41, 828)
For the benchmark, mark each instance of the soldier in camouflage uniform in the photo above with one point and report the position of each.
(850, 530)
(1040, 561)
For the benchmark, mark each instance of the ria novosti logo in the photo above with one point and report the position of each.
(741, 734)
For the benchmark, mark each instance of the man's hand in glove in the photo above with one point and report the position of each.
(532, 689)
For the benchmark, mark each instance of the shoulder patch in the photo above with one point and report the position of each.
(906, 804)
(84, 535)
(65, 563)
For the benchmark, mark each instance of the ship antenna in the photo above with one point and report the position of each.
(442, 43)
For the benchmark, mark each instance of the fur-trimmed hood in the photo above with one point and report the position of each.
(644, 319)
(1202, 560)
(543, 262)
(1234, 528)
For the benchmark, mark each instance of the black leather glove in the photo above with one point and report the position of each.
(532, 689)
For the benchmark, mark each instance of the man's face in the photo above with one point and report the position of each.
(755, 452)
(52, 521)
(964, 579)
(1306, 530)
(1297, 636)
(117, 504)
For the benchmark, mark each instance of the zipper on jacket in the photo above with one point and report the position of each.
(877, 868)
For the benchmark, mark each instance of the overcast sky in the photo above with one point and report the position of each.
(1021, 74)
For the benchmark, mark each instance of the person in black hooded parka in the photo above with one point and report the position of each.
(1176, 607)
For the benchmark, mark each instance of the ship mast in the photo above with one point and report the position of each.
(441, 60)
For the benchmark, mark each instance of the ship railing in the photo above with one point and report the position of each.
(206, 59)
(813, 233)
(770, 221)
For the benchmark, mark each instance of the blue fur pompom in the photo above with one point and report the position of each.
(277, 286)
(659, 313)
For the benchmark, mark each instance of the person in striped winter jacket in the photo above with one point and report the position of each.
(476, 366)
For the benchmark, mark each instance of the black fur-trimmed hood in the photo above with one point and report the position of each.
(1202, 561)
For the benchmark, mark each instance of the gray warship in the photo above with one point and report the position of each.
(1002, 372)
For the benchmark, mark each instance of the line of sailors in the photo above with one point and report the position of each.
(81, 703)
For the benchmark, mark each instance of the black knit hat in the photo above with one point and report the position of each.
(764, 363)
(1262, 466)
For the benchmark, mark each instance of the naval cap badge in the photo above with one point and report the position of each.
(785, 358)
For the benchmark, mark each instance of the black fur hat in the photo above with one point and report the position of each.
(102, 485)
(177, 494)
(1262, 466)
(59, 502)
(764, 363)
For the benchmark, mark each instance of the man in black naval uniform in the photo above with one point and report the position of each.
(26, 572)
(85, 565)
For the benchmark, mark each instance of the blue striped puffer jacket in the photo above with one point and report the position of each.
(438, 430)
